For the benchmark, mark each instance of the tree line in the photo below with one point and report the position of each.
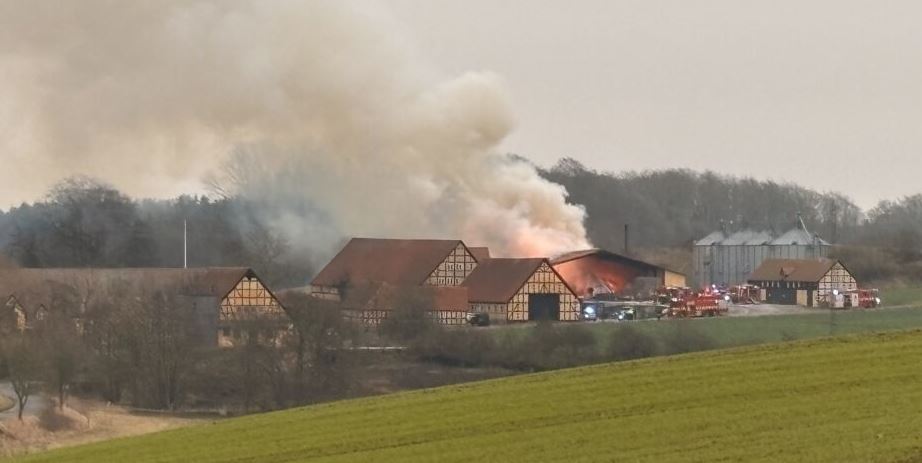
(83, 222)
(670, 209)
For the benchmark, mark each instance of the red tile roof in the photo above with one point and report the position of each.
(384, 296)
(803, 270)
(497, 280)
(397, 262)
(481, 253)
(33, 287)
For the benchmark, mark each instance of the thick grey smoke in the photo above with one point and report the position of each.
(321, 111)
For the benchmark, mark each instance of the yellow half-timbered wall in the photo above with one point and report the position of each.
(837, 278)
(248, 300)
(543, 281)
(497, 312)
(454, 269)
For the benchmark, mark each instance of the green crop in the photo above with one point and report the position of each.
(852, 398)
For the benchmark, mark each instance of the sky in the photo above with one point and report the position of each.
(827, 94)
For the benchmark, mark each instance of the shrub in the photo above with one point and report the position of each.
(627, 343)
(684, 337)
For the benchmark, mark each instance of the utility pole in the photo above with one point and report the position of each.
(185, 246)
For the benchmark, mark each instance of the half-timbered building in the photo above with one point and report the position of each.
(224, 301)
(807, 282)
(521, 290)
(369, 275)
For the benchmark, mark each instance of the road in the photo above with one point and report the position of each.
(35, 405)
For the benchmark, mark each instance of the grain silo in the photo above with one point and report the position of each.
(724, 259)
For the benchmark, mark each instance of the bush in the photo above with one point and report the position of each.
(686, 338)
(628, 343)
(461, 347)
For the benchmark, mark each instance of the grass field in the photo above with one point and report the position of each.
(901, 297)
(742, 331)
(853, 398)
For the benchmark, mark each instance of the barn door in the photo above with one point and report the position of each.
(544, 306)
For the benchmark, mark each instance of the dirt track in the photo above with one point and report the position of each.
(88, 421)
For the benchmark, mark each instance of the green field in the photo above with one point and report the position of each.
(901, 297)
(853, 398)
(741, 331)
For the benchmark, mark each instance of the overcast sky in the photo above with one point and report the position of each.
(823, 93)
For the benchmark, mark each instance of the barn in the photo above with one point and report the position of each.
(596, 271)
(222, 299)
(521, 290)
(369, 274)
(807, 282)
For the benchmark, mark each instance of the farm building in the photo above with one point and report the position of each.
(724, 259)
(369, 275)
(520, 290)
(221, 299)
(596, 271)
(807, 282)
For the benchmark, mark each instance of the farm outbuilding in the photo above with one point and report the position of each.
(807, 282)
(220, 299)
(729, 259)
(596, 271)
(370, 275)
(521, 290)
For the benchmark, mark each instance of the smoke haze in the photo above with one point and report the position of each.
(322, 114)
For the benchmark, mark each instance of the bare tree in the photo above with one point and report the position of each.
(319, 335)
(23, 361)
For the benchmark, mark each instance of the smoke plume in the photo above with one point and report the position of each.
(321, 113)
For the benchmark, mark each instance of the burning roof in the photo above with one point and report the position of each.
(599, 270)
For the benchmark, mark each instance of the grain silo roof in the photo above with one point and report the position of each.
(497, 280)
(798, 236)
(713, 238)
(397, 262)
(802, 270)
(747, 238)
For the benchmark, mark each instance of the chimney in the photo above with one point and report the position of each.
(626, 230)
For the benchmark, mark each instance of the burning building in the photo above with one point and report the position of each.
(597, 271)
(221, 300)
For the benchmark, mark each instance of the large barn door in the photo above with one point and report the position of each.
(543, 306)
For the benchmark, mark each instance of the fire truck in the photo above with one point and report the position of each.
(744, 294)
(857, 298)
(684, 303)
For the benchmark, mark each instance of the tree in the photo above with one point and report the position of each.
(409, 316)
(319, 335)
(24, 366)
(162, 345)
